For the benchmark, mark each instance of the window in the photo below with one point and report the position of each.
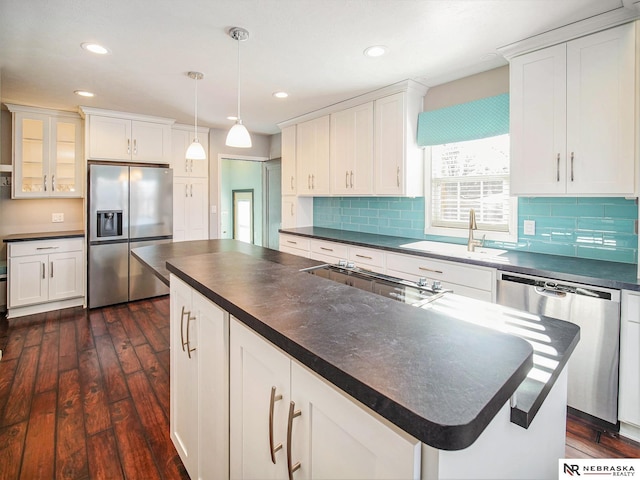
(467, 158)
(471, 175)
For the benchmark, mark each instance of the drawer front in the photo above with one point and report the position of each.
(367, 257)
(329, 249)
(37, 247)
(475, 277)
(292, 241)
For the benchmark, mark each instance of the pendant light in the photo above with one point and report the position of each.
(196, 150)
(238, 136)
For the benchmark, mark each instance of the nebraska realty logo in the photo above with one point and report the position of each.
(598, 467)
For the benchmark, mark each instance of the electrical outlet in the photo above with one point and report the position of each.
(529, 227)
(57, 217)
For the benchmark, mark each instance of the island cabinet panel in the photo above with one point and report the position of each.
(199, 376)
(283, 415)
(573, 117)
(629, 398)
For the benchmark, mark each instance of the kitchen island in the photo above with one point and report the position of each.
(427, 374)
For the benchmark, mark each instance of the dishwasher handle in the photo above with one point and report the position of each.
(551, 288)
(550, 292)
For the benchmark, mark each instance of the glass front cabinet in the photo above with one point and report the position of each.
(47, 153)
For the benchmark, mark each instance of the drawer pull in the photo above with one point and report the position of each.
(430, 270)
(293, 413)
(364, 256)
(326, 249)
(273, 449)
(291, 241)
(46, 248)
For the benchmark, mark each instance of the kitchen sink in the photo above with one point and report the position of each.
(457, 250)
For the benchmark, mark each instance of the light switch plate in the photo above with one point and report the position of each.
(529, 227)
(57, 217)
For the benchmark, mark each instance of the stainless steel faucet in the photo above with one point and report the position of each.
(473, 243)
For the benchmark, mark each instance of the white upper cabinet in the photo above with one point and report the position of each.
(398, 161)
(126, 137)
(181, 137)
(351, 154)
(289, 160)
(312, 157)
(47, 153)
(572, 117)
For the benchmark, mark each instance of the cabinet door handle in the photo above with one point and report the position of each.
(45, 183)
(191, 189)
(346, 179)
(191, 165)
(313, 181)
(572, 166)
(128, 146)
(309, 182)
(182, 327)
(51, 272)
(189, 349)
(293, 413)
(186, 165)
(292, 209)
(53, 183)
(43, 267)
(291, 182)
(186, 190)
(398, 176)
(430, 270)
(363, 256)
(135, 146)
(558, 168)
(273, 449)
(351, 178)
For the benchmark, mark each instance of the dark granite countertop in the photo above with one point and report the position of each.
(591, 272)
(388, 355)
(28, 237)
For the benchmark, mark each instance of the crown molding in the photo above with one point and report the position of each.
(410, 86)
(629, 12)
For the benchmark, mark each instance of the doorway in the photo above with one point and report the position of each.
(243, 215)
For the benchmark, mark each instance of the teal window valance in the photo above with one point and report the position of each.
(487, 117)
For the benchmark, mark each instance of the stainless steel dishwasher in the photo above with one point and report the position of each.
(593, 367)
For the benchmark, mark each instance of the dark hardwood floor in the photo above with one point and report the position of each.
(85, 394)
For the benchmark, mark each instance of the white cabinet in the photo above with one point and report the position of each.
(572, 117)
(367, 258)
(127, 137)
(45, 275)
(467, 280)
(199, 379)
(289, 217)
(351, 154)
(398, 162)
(312, 156)
(181, 137)
(289, 160)
(329, 252)
(47, 153)
(629, 399)
(295, 245)
(190, 186)
(287, 422)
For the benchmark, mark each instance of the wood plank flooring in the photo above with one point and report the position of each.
(85, 394)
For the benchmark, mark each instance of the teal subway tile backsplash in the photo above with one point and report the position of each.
(585, 227)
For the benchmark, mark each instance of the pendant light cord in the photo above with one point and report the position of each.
(196, 112)
(238, 72)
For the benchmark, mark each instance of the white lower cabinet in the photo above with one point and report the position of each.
(45, 275)
(629, 397)
(286, 422)
(199, 382)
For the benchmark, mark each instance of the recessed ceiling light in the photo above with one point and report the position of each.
(84, 93)
(280, 94)
(95, 48)
(375, 51)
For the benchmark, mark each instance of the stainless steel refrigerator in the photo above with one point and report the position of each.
(129, 206)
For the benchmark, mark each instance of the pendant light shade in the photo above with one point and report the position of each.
(238, 136)
(196, 150)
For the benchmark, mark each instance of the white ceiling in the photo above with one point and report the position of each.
(311, 49)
